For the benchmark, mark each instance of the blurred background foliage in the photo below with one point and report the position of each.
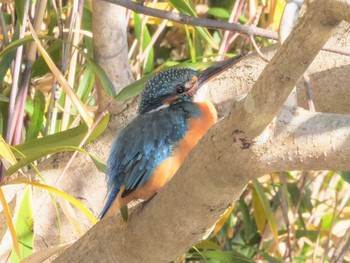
(48, 105)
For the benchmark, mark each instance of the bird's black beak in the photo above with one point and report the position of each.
(211, 72)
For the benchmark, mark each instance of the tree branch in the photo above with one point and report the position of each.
(223, 162)
(194, 21)
(303, 140)
(109, 22)
(250, 31)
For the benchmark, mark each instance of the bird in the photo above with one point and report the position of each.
(170, 121)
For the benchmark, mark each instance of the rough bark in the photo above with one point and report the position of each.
(235, 150)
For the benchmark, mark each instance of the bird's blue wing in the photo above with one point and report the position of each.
(141, 146)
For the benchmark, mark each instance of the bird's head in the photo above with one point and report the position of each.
(178, 85)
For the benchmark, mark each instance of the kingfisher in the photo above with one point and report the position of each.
(170, 121)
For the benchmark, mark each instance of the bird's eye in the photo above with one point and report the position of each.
(180, 89)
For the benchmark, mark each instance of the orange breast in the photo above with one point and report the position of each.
(166, 170)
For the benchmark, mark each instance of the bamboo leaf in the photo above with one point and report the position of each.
(62, 194)
(20, 6)
(219, 12)
(71, 137)
(184, 7)
(38, 116)
(6, 153)
(144, 38)
(10, 225)
(44, 254)
(226, 256)
(63, 82)
(24, 227)
(264, 208)
(50, 151)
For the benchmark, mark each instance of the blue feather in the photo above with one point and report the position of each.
(143, 144)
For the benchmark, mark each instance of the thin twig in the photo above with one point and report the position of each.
(195, 21)
(210, 23)
(257, 49)
(310, 100)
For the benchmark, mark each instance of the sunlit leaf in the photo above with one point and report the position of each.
(42, 255)
(4, 98)
(37, 118)
(8, 56)
(263, 206)
(5, 152)
(10, 225)
(19, 42)
(86, 83)
(220, 223)
(345, 175)
(106, 83)
(246, 218)
(184, 7)
(276, 11)
(20, 6)
(40, 67)
(24, 226)
(70, 137)
(50, 151)
(207, 244)
(144, 38)
(63, 82)
(226, 256)
(62, 194)
(219, 12)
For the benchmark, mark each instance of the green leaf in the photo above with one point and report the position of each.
(9, 56)
(71, 137)
(40, 67)
(19, 42)
(5, 152)
(184, 7)
(86, 83)
(124, 212)
(345, 175)
(207, 244)
(144, 37)
(60, 142)
(38, 116)
(226, 256)
(62, 194)
(50, 151)
(4, 98)
(1, 123)
(219, 12)
(246, 219)
(24, 227)
(263, 210)
(20, 6)
(106, 83)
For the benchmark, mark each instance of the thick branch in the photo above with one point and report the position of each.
(187, 209)
(303, 140)
(109, 22)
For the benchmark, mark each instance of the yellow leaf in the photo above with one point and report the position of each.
(10, 223)
(6, 153)
(62, 194)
